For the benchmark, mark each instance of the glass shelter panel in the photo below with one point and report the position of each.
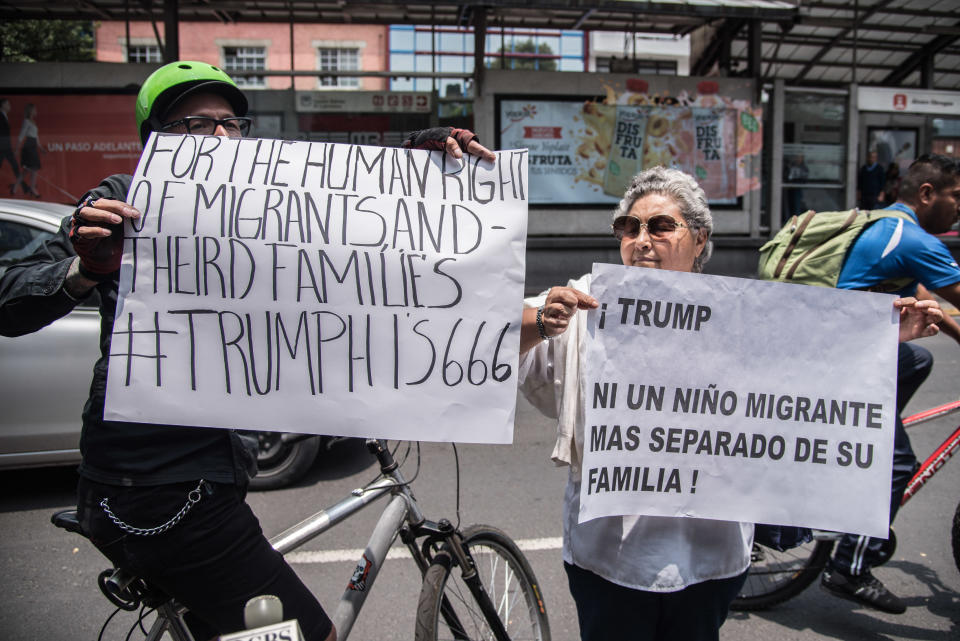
(814, 152)
(946, 137)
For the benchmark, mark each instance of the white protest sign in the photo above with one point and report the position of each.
(736, 399)
(321, 288)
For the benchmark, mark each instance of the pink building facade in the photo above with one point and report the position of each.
(256, 46)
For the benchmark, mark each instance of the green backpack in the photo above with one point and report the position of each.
(811, 247)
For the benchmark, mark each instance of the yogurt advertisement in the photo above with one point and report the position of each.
(587, 151)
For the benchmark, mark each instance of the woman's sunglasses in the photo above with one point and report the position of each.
(661, 226)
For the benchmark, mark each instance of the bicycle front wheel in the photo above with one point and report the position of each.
(448, 610)
(777, 576)
(955, 537)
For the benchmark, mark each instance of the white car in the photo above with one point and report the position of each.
(46, 375)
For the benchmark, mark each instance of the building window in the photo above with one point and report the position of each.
(144, 53)
(246, 59)
(338, 59)
(639, 66)
(427, 48)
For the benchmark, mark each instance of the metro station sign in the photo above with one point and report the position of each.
(908, 100)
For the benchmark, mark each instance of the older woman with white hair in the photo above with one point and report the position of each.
(640, 577)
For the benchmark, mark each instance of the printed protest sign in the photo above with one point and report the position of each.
(321, 288)
(737, 399)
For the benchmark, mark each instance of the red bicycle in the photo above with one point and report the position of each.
(777, 576)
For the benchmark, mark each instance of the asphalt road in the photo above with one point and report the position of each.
(49, 576)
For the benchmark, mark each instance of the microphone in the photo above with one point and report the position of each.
(262, 610)
(263, 616)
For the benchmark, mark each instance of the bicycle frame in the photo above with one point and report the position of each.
(170, 621)
(932, 413)
(940, 456)
(402, 516)
(402, 507)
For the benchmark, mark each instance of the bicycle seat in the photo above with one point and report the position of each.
(67, 520)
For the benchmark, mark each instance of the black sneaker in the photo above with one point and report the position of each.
(864, 588)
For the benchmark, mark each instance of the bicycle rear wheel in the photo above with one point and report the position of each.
(448, 610)
(777, 576)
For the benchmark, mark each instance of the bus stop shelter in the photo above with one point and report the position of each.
(872, 42)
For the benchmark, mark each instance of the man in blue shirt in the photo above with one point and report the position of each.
(893, 248)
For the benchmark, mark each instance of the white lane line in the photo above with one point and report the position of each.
(342, 556)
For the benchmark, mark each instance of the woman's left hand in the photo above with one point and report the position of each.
(561, 304)
(559, 307)
(918, 318)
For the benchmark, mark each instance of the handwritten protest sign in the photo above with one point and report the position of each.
(321, 288)
(736, 399)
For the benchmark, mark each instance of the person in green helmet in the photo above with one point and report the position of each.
(167, 502)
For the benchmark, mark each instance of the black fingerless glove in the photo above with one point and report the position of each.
(99, 257)
(435, 138)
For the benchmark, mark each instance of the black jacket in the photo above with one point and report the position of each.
(119, 453)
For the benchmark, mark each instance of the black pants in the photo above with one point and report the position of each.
(610, 612)
(212, 561)
(6, 153)
(856, 553)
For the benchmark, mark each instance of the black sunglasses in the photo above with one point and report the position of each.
(236, 127)
(660, 226)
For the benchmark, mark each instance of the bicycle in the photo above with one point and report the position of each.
(778, 576)
(495, 594)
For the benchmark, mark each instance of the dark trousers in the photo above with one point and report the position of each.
(856, 554)
(212, 561)
(610, 612)
(6, 153)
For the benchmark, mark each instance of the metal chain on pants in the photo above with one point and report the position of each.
(193, 497)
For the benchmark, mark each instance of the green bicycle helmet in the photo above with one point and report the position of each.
(173, 82)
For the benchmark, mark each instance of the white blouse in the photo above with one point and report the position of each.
(652, 553)
(28, 130)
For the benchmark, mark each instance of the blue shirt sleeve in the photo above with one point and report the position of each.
(893, 248)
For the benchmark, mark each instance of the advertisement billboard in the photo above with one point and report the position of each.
(586, 150)
(80, 139)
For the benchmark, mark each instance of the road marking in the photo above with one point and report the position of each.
(342, 556)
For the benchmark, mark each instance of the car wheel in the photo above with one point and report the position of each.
(283, 458)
